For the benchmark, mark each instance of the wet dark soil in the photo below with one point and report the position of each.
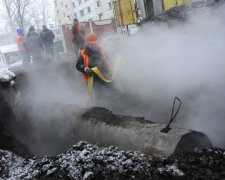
(104, 115)
(8, 141)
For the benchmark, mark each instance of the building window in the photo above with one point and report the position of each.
(82, 13)
(68, 16)
(89, 9)
(110, 6)
(74, 5)
(55, 3)
(100, 16)
(62, 4)
(66, 6)
(79, 2)
(75, 15)
(98, 3)
(59, 20)
(57, 11)
(64, 14)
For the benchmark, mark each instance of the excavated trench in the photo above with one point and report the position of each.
(48, 125)
(52, 132)
(40, 112)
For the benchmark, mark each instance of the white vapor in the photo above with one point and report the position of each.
(187, 61)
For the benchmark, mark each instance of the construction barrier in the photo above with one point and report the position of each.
(100, 28)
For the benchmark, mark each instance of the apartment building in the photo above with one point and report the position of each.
(83, 10)
(63, 11)
(103, 9)
(67, 10)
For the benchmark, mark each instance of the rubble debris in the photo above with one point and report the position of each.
(87, 161)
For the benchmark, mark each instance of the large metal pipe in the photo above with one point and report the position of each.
(99, 125)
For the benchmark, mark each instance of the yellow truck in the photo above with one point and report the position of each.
(167, 4)
(125, 12)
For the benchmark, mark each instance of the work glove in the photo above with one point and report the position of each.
(88, 71)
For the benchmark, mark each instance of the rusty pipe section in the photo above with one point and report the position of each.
(99, 125)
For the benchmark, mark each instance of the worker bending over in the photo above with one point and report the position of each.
(93, 56)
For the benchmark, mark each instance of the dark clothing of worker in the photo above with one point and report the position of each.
(20, 44)
(34, 46)
(47, 37)
(78, 38)
(103, 91)
(95, 59)
(93, 56)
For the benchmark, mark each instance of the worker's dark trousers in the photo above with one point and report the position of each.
(77, 47)
(76, 50)
(37, 56)
(25, 57)
(49, 50)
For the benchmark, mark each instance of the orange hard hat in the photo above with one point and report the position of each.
(92, 38)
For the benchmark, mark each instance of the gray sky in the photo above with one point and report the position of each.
(3, 20)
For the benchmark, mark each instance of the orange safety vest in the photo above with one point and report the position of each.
(79, 27)
(85, 57)
(20, 43)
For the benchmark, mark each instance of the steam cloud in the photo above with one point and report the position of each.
(157, 64)
(187, 61)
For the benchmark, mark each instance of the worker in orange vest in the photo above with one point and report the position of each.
(91, 56)
(20, 44)
(78, 36)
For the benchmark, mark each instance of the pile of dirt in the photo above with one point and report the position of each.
(104, 115)
(205, 3)
(179, 14)
(87, 161)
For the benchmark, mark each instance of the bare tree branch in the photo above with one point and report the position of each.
(19, 9)
(23, 13)
(7, 4)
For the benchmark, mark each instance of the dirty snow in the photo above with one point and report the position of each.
(6, 75)
(83, 161)
(87, 161)
(171, 168)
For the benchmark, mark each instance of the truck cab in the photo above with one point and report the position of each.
(10, 57)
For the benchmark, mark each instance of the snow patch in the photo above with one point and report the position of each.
(88, 175)
(6, 75)
(171, 169)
